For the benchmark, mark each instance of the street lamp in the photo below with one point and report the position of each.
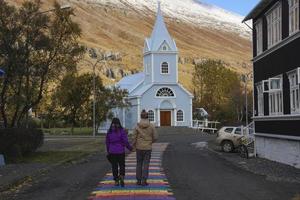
(93, 55)
(2, 72)
(2, 161)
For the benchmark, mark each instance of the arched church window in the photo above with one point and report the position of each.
(165, 48)
(164, 68)
(165, 92)
(151, 115)
(180, 116)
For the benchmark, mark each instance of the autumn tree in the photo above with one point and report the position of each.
(74, 97)
(218, 90)
(35, 49)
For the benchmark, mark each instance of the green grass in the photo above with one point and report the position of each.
(64, 151)
(53, 157)
(85, 131)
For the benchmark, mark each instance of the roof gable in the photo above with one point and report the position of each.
(131, 82)
(258, 9)
(164, 46)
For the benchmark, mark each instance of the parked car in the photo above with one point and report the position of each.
(228, 137)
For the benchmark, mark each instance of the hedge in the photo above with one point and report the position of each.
(16, 143)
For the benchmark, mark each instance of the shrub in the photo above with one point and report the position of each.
(16, 143)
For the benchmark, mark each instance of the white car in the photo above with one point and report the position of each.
(228, 137)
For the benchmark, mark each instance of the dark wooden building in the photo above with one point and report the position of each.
(276, 68)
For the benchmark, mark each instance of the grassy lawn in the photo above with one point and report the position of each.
(53, 157)
(63, 151)
(86, 131)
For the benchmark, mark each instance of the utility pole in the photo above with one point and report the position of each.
(93, 55)
(94, 100)
(246, 94)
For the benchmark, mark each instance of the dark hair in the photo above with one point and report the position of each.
(115, 121)
(144, 114)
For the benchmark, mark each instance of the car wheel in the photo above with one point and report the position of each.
(227, 146)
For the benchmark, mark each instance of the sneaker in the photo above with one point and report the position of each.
(144, 183)
(139, 182)
(117, 183)
(122, 183)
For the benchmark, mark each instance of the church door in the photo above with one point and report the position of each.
(165, 118)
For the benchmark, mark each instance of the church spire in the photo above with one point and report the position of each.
(160, 34)
(159, 9)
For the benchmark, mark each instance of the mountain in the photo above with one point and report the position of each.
(190, 11)
(116, 29)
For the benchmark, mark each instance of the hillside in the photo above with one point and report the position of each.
(116, 29)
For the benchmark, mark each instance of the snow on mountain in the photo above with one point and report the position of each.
(190, 11)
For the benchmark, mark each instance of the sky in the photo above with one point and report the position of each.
(242, 7)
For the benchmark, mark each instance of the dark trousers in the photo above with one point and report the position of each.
(118, 165)
(143, 160)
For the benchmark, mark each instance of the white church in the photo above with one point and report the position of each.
(157, 89)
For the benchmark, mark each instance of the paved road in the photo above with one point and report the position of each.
(196, 174)
(66, 182)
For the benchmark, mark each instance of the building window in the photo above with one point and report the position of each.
(259, 37)
(294, 92)
(293, 16)
(275, 96)
(151, 116)
(165, 48)
(164, 68)
(147, 68)
(274, 25)
(165, 92)
(180, 116)
(260, 99)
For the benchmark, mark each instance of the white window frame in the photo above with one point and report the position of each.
(293, 16)
(276, 99)
(268, 83)
(150, 118)
(260, 99)
(259, 36)
(164, 97)
(162, 69)
(276, 89)
(274, 24)
(182, 116)
(148, 70)
(294, 91)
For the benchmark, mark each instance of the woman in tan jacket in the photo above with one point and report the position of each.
(144, 136)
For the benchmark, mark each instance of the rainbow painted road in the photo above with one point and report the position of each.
(158, 188)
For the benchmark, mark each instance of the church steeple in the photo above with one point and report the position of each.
(160, 38)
